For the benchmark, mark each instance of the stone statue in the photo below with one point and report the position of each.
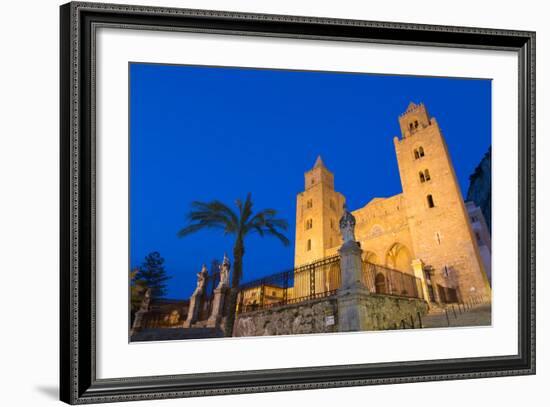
(224, 272)
(201, 280)
(143, 309)
(347, 226)
(146, 301)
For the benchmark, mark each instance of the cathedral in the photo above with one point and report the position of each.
(427, 228)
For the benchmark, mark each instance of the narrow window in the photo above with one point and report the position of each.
(421, 151)
(308, 245)
(416, 124)
(416, 155)
(330, 242)
(410, 126)
(430, 200)
(309, 223)
(427, 175)
(422, 179)
(309, 203)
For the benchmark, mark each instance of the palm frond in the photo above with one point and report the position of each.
(195, 227)
(274, 232)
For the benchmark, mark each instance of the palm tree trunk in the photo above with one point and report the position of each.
(238, 253)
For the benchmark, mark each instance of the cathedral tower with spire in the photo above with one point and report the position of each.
(318, 209)
(424, 231)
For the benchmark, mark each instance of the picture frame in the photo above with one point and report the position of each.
(78, 347)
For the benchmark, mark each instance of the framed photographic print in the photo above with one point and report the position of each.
(257, 203)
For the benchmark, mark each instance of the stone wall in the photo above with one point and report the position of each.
(387, 312)
(304, 318)
(321, 316)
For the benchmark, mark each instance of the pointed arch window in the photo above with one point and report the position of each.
(427, 175)
(430, 200)
(309, 223)
(416, 154)
(421, 151)
(422, 178)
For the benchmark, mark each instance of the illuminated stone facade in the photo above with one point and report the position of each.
(427, 224)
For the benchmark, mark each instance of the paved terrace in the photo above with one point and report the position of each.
(479, 315)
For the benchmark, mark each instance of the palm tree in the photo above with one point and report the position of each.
(217, 215)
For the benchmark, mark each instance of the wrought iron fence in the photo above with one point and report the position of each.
(315, 280)
(383, 280)
(321, 279)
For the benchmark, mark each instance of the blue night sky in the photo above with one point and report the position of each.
(204, 133)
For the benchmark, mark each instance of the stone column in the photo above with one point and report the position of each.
(218, 305)
(143, 309)
(195, 301)
(193, 312)
(220, 295)
(418, 268)
(352, 310)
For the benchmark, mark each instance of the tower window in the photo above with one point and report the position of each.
(430, 200)
(422, 178)
(421, 151)
(427, 175)
(416, 124)
(309, 203)
(309, 223)
(332, 223)
(331, 204)
(416, 154)
(411, 126)
(308, 246)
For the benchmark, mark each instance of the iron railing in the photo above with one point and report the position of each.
(311, 281)
(383, 280)
(321, 279)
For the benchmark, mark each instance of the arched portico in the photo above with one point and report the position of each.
(399, 257)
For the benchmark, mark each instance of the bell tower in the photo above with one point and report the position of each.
(441, 233)
(318, 209)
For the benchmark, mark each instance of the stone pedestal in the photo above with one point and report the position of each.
(351, 265)
(218, 304)
(352, 310)
(138, 322)
(193, 312)
(418, 268)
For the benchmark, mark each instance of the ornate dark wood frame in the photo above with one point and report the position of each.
(78, 354)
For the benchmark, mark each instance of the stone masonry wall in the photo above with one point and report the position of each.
(304, 318)
(387, 312)
(316, 316)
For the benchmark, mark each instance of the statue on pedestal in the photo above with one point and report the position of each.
(144, 307)
(201, 280)
(347, 226)
(224, 272)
